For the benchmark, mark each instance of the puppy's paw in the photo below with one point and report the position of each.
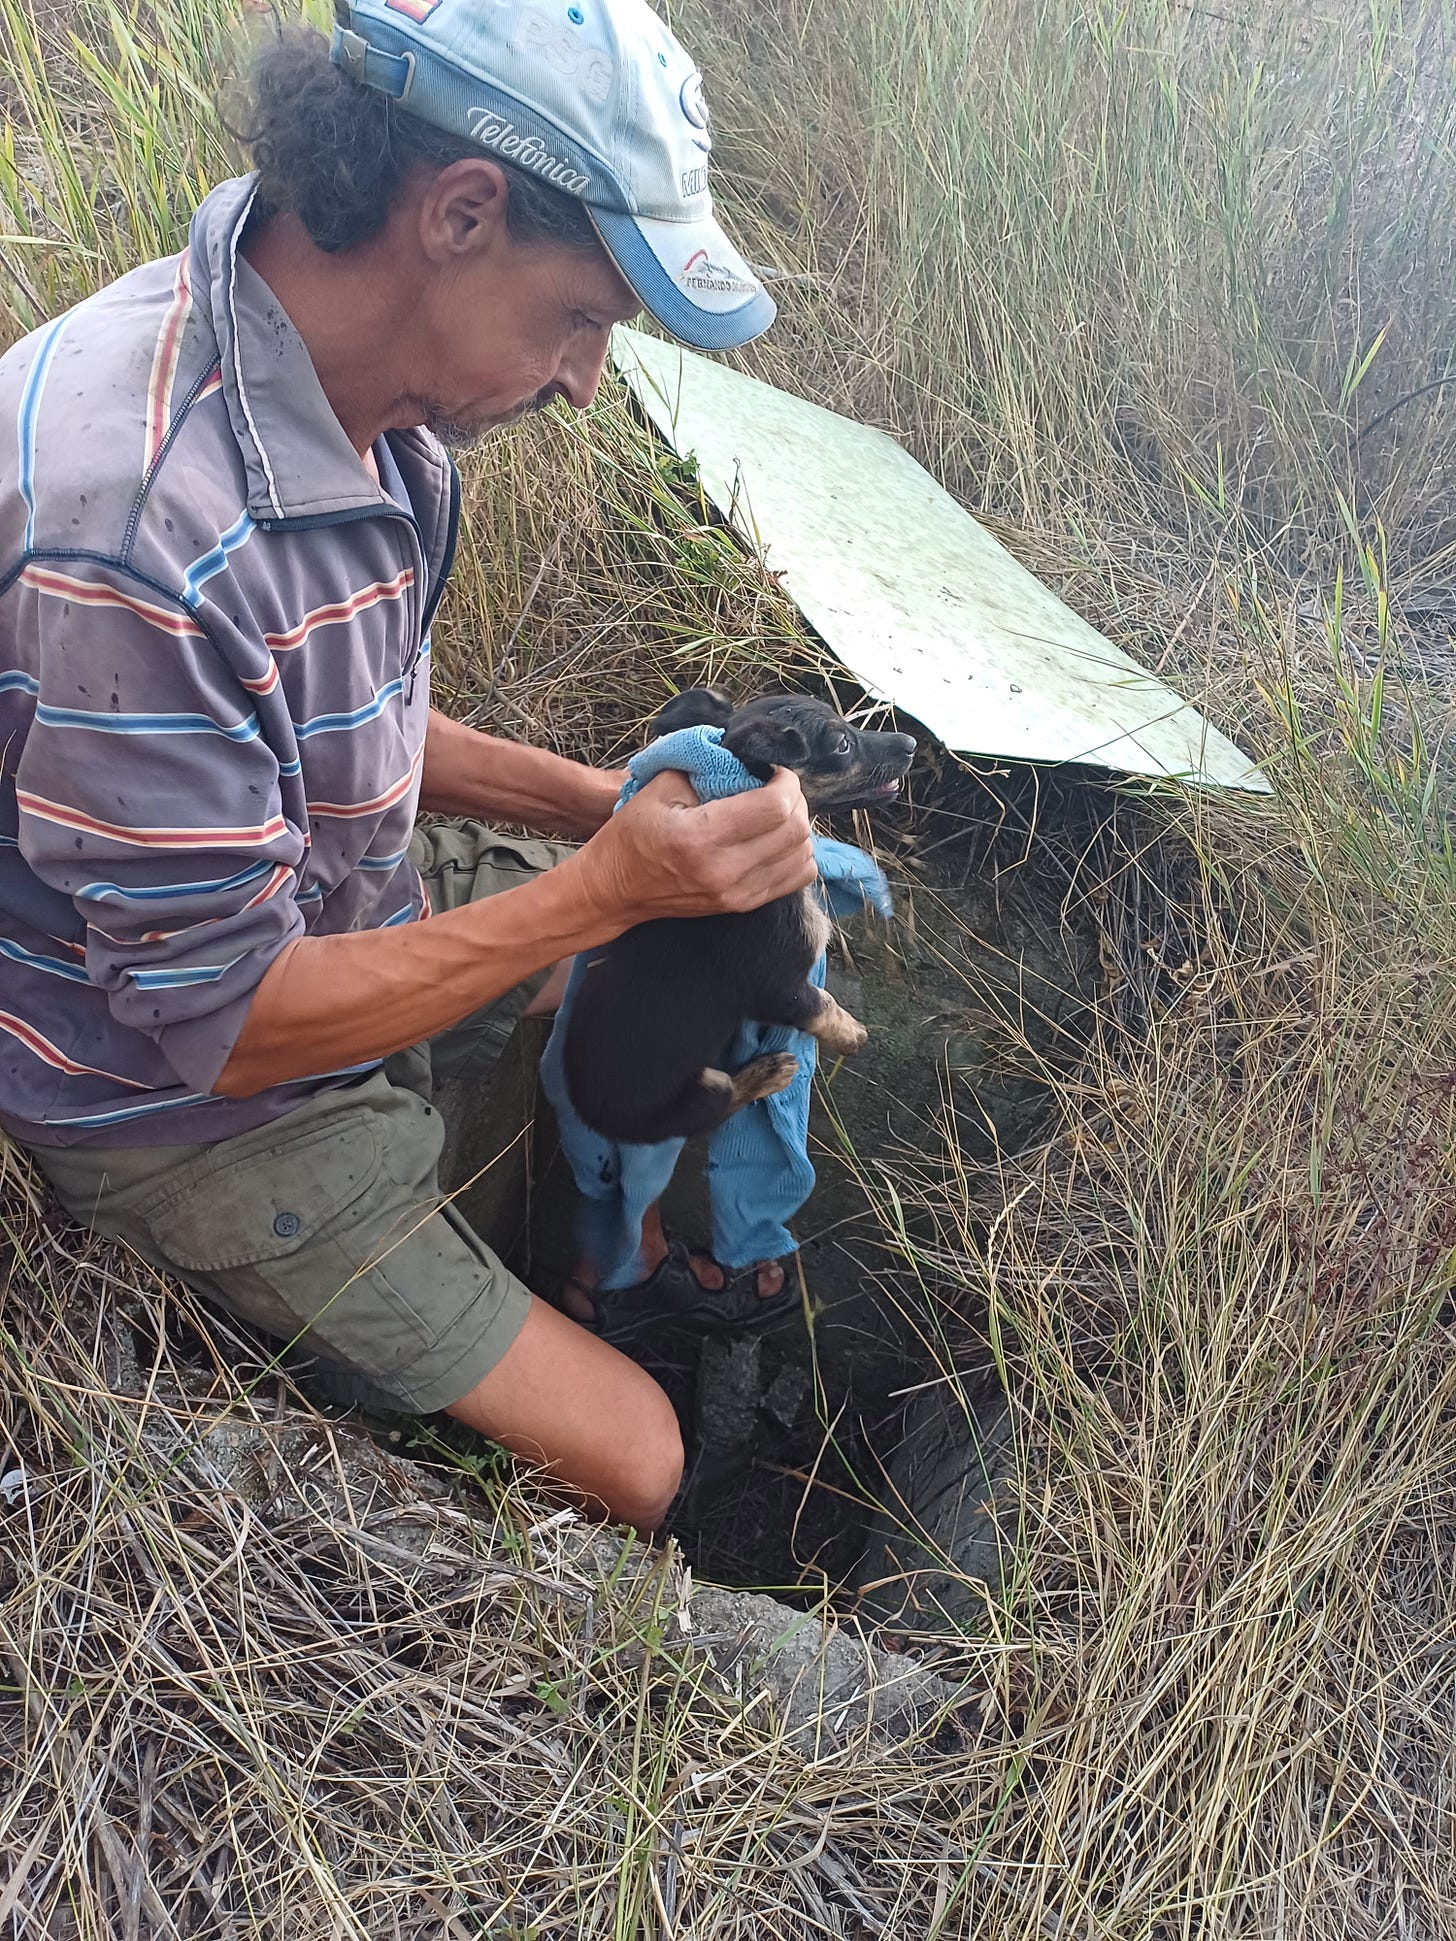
(849, 1037)
(839, 1033)
(762, 1077)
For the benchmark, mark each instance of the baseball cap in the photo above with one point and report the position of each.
(597, 98)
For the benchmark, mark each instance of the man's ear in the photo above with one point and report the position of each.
(762, 746)
(695, 707)
(462, 210)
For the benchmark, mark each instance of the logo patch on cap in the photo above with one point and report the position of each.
(700, 272)
(418, 11)
(591, 68)
(695, 108)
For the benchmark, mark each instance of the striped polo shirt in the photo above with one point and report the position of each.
(214, 686)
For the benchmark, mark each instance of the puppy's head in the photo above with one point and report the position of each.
(838, 765)
(695, 707)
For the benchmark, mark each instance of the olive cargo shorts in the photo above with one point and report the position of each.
(325, 1228)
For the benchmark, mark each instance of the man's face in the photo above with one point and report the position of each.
(501, 327)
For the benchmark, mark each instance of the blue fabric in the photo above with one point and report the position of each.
(700, 755)
(759, 1173)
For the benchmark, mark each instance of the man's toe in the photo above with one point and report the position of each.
(769, 1279)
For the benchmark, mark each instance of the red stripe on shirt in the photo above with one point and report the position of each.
(151, 837)
(90, 593)
(368, 596)
(164, 365)
(52, 1055)
(264, 684)
(384, 800)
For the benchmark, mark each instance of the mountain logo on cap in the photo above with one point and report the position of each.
(700, 272)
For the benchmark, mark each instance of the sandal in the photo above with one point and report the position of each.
(673, 1296)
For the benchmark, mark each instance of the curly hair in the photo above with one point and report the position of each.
(336, 154)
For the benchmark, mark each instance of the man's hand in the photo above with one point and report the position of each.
(326, 1003)
(665, 854)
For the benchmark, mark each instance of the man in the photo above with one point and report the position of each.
(225, 523)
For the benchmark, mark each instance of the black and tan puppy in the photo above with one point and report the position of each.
(656, 1012)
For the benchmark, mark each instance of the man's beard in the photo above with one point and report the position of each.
(462, 435)
(457, 437)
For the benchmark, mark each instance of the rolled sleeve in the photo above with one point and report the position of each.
(193, 995)
(156, 807)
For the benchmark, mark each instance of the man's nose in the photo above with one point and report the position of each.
(579, 374)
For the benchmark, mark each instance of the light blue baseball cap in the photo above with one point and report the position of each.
(596, 97)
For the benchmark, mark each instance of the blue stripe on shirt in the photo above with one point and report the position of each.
(159, 892)
(126, 1111)
(95, 721)
(25, 423)
(324, 724)
(202, 570)
(170, 980)
(56, 966)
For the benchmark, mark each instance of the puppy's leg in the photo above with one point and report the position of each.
(715, 1096)
(761, 1077)
(836, 1030)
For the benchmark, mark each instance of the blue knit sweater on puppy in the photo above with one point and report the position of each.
(759, 1172)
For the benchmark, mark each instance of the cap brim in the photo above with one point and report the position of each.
(689, 276)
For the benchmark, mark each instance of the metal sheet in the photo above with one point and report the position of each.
(915, 598)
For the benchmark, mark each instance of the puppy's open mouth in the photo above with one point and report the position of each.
(860, 796)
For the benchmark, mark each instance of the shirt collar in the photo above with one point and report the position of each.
(299, 462)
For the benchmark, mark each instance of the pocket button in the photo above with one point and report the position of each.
(285, 1225)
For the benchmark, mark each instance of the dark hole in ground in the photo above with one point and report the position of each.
(987, 975)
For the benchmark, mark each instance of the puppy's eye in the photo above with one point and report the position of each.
(841, 747)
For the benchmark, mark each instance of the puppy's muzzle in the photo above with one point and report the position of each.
(875, 776)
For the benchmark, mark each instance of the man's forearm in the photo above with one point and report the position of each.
(468, 773)
(326, 1003)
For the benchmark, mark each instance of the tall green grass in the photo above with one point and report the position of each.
(1131, 263)
(110, 138)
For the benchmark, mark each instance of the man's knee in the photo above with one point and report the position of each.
(648, 1465)
(567, 1403)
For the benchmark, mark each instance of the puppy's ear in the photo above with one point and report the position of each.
(695, 707)
(763, 745)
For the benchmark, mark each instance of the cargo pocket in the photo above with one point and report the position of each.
(333, 1238)
(240, 1209)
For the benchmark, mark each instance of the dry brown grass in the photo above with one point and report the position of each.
(263, 1678)
(1118, 282)
(1220, 1297)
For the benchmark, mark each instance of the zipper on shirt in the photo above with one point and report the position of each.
(437, 588)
